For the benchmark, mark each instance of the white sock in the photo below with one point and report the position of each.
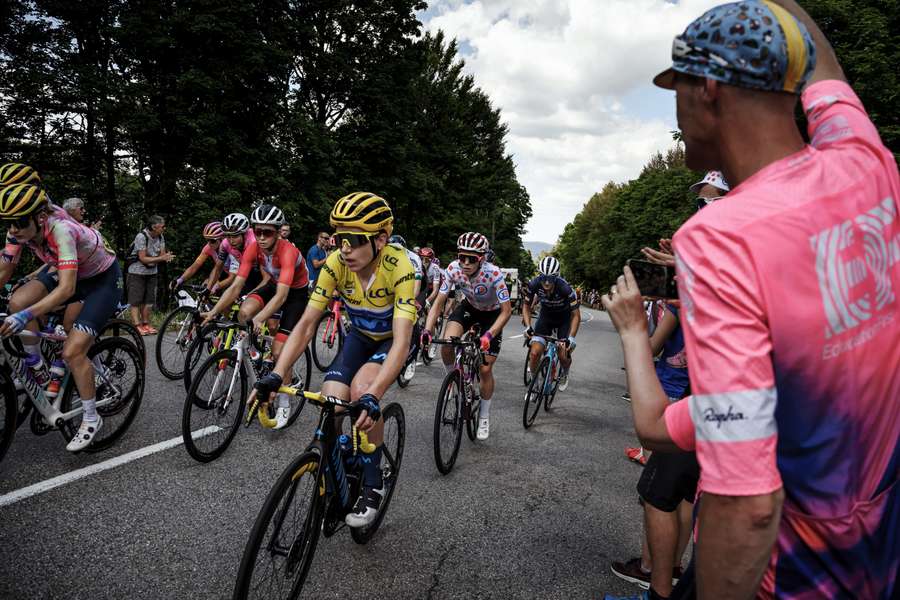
(282, 401)
(485, 410)
(90, 409)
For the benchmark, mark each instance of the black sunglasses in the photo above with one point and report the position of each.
(468, 259)
(264, 232)
(19, 222)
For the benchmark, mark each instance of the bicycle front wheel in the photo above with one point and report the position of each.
(125, 329)
(208, 340)
(283, 540)
(535, 393)
(119, 385)
(214, 406)
(328, 341)
(9, 408)
(392, 456)
(175, 335)
(448, 422)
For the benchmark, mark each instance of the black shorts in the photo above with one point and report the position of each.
(668, 478)
(466, 315)
(99, 294)
(357, 350)
(253, 280)
(556, 324)
(293, 306)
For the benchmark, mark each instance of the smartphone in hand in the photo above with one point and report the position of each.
(654, 281)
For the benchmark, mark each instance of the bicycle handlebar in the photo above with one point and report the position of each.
(352, 407)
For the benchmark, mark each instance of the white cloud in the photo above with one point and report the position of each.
(572, 80)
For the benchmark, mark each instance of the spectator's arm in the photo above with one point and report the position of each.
(827, 65)
(738, 533)
(664, 329)
(317, 263)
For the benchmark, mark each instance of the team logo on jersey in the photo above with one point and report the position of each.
(503, 295)
(480, 289)
(390, 262)
(853, 263)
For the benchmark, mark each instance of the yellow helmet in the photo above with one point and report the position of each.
(363, 210)
(21, 200)
(13, 173)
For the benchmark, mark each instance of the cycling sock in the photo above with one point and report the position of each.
(282, 401)
(90, 409)
(372, 476)
(485, 410)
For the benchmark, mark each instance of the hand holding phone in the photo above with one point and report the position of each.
(654, 280)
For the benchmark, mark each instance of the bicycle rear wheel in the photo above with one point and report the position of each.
(392, 457)
(177, 331)
(9, 408)
(535, 393)
(121, 382)
(283, 540)
(213, 406)
(448, 422)
(207, 340)
(328, 341)
(125, 329)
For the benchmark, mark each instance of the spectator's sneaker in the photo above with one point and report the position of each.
(85, 434)
(626, 397)
(636, 455)
(484, 429)
(632, 572)
(281, 417)
(366, 508)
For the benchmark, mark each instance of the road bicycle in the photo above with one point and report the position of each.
(311, 498)
(459, 401)
(429, 350)
(215, 402)
(331, 330)
(545, 382)
(210, 339)
(178, 330)
(119, 376)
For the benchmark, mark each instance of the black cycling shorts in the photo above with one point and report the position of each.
(293, 306)
(358, 350)
(100, 295)
(556, 324)
(668, 478)
(466, 315)
(253, 280)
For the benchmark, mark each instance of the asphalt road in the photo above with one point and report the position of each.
(526, 514)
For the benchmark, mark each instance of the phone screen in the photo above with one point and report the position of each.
(654, 281)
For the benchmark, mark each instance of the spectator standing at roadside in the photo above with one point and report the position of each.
(149, 250)
(75, 208)
(285, 232)
(789, 290)
(316, 256)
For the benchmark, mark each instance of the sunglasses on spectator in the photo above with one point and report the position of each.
(354, 239)
(265, 232)
(702, 202)
(468, 259)
(19, 222)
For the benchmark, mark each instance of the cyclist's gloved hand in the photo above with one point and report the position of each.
(530, 332)
(369, 404)
(486, 341)
(267, 385)
(570, 343)
(176, 283)
(16, 322)
(425, 338)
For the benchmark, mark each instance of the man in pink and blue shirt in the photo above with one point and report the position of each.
(789, 291)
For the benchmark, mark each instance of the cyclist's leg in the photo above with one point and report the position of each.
(487, 369)
(291, 311)
(563, 327)
(253, 303)
(28, 295)
(542, 327)
(459, 321)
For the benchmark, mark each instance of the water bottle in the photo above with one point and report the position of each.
(254, 353)
(38, 369)
(346, 447)
(57, 372)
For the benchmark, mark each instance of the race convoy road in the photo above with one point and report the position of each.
(526, 514)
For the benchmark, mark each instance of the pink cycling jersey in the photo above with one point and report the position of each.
(485, 290)
(226, 249)
(789, 292)
(66, 244)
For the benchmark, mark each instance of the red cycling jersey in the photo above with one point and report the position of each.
(285, 264)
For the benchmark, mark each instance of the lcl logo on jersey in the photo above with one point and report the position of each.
(853, 260)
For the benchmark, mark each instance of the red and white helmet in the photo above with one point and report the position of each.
(472, 242)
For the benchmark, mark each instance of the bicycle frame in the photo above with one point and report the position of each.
(332, 323)
(36, 394)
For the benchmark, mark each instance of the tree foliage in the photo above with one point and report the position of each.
(195, 109)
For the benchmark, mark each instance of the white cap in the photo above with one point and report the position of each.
(713, 178)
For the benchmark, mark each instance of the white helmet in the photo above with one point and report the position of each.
(472, 242)
(235, 224)
(549, 266)
(267, 214)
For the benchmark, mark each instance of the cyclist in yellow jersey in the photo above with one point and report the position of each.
(375, 281)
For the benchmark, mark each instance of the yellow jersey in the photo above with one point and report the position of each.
(389, 296)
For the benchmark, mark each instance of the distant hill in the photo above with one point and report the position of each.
(535, 248)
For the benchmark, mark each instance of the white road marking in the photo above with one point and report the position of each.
(55, 482)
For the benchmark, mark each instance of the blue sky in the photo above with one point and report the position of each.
(572, 78)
